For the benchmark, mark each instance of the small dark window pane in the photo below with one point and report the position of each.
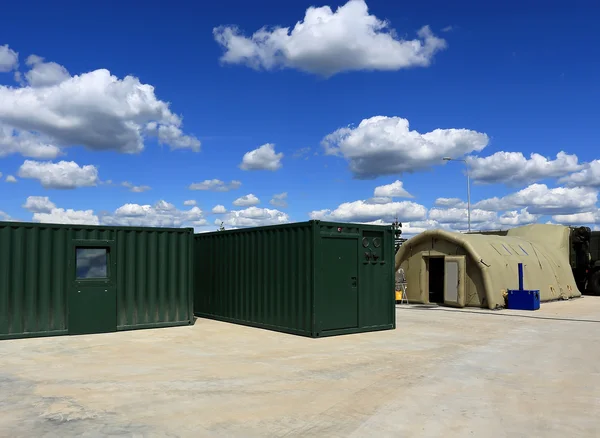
(92, 263)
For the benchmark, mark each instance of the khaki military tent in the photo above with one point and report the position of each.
(475, 270)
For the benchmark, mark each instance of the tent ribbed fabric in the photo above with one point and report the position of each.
(491, 264)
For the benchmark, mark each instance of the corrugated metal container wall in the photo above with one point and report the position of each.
(304, 278)
(152, 282)
(260, 277)
(154, 277)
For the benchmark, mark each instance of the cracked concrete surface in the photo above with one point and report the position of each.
(442, 372)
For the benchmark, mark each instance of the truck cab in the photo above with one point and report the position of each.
(579, 255)
(593, 277)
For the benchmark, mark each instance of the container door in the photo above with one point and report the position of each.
(454, 281)
(339, 308)
(93, 300)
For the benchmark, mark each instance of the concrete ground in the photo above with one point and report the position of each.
(442, 372)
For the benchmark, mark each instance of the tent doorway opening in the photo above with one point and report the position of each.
(436, 280)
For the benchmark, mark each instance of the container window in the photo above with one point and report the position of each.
(92, 263)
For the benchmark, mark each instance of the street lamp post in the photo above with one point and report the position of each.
(468, 188)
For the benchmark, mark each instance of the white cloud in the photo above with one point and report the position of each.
(450, 203)
(253, 217)
(190, 202)
(327, 42)
(96, 110)
(589, 176)
(386, 146)
(11, 179)
(262, 158)
(173, 136)
(393, 190)
(39, 204)
(0, 174)
(460, 215)
(379, 200)
(362, 211)
(514, 168)
(416, 227)
(448, 29)
(456, 220)
(539, 199)
(410, 228)
(6, 217)
(13, 141)
(451, 214)
(515, 218)
(301, 153)
(9, 59)
(246, 201)
(279, 200)
(43, 74)
(588, 218)
(69, 216)
(161, 214)
(135, 189)
(61, 175)
(216, 185)
(219, 209)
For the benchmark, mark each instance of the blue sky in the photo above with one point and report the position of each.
(479, 82)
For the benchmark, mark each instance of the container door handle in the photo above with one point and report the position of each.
(353, 281)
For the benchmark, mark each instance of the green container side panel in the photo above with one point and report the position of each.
(259, 277)
(303, 278)
(33, 280)
(153, 276)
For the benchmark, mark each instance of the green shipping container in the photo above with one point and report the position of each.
(79, 279)
(313, 278)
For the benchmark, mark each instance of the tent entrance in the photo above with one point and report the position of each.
(436, 268)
